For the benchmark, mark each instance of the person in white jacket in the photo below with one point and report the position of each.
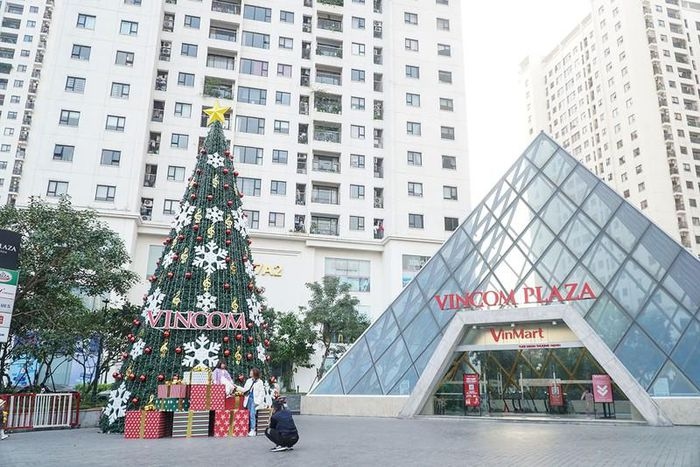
(254, 392)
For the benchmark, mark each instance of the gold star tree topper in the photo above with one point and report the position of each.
(216, 113)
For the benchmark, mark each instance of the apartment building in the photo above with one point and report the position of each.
(620, 92)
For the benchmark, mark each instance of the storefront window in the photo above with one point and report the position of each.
(350, 271)
(411, 264)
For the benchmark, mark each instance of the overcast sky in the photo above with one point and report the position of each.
(497, 36)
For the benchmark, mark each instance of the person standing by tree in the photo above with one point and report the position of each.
(254, 392)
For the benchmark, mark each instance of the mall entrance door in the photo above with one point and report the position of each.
(537, 369)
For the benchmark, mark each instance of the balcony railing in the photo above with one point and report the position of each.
(332, 106)
(149, 180)
(226, 7)
(327, 135)
(332, 2)
(219, 91)
(330, 24)
(329, 51)
(326, 166)
(157, 115)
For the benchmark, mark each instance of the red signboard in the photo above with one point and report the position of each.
(556, 396)
(471, 390)
(602, 388)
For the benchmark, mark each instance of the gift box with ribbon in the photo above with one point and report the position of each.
(198, 375)
(145, 424)
(207, 397)
(192, 424)
(170, 389)
(234, 402)
(231, 423)
(172, 404)
(262, 420)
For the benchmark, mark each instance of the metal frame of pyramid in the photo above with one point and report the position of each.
(549, 220)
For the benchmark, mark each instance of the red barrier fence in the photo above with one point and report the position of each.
(27, 411)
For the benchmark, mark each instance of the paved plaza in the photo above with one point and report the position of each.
(338, 441)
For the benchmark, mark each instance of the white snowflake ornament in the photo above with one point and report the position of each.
(137, 349)
(240, 222)
(118, 401)
(153, 301)
(250, 268)
(168, 259)
(261, 352)
(201, 352)
(214, 214)
(255, 310)
(209, 257)
(206, 301)
(184, 217)
(215, 160)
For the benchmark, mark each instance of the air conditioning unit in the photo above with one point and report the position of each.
(147, 203)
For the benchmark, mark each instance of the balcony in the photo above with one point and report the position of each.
(378, 110)
(322, 194)
(300, 197)
(168, 22)
(378, 198)
(378, 167)
(378, 30)
(327, 164)
(377, 6)
(328, 103)
(149, 180)
(162, 81)
(219, 88)
(329, 77)
(330, 24)
(327, 134)
(154, 143)
(222, 62)
(303, 105)
(306, 50)
(165, 51)
(329, 50)
(157, 115)
(226, 7)
(332, 2)
(223, 34)
(378, 58)
(378, 228)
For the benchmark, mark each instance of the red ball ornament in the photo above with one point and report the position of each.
(225, 171)
(198, 171)
(125, 355)
(161, 377)
(210, 197)
(226, 186)
(132, 376)
(136, 322)
(166, 333)
(250, 242)
(240, 195)
(250, 325)
(193, 196)
(167, 241)
(178, 350)
(135, 401)
(250, 286)
(228, 259)
(227, 353)
(228, 231)
(227, 286)
(148, 350)
(153, 278)
(226, 339)
(195, 227)
(142, 378)
(132, 339)
(266, 342)
(267, 358)
(235, 173)
(228, 242)
(273, 380)
(188, 275)
(264, 325)
(170, 274)
(199, 238)
(176, 257)
(195, 184)
(245, 258)
(181, 237)
(229, 203)
(249, 356)
(202, 151)
(239, 336)
(249, 339)
(115, 374)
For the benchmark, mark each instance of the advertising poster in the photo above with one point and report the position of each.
(471, 390)
(9, 278)
(602, 388)
(556, 396)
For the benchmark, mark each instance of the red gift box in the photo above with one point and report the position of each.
(207, 397)
(231, 423)
(166, 391)
(144, 424)
(234, 402)
(241, 422)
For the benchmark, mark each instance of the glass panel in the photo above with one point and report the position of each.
(369, 384)
(631, 287)
(419, 333)
(406, 384)
(478, 225)
(521, 174)
(471, 272)
(512, 267)
(664, 320)
(682, 280)
(559, 166)
(601, 204)
(354, 363)
(603, 259)
(407, 305)
(579, 234)
(517, 218)
(382, 332)
(656, 251)
(433, 275)
(494, 244)
(557, 263)
(626, 226)
(557, 213)
(687, 353)
(543, 149)
(671, 382)
(609, 321)
(579, 184)
(581, 275)
(641, 357)
(393, 364)
(443, 317)
(535, 240)
(456, 247)
(538, 193)
(423, 360)
(330, 384)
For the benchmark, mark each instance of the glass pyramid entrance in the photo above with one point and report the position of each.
(548, 221)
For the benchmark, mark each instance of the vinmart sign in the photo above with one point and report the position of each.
(537, 295)
(521, 337)
(9, 279)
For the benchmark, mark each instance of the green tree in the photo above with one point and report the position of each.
(333, 311)
(66, 254)
(292, 344)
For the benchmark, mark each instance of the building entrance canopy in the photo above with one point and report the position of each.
(548, 223)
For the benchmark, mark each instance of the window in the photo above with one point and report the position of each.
(323, 194)
(253, 67)
(640, 187)
(358, 49)
(5, 148)
(9, 131)
(115, 123)
(179, 141)
(413, 128)
(170, 207)
(281, 126)
(80, 52)
(449, 192)
(256, 39)
(285, 43)
(287, 17)
(252, 218)
(414, 158)
(120, 90)
(449, 162)
(69, 118)
(357, 191)
(276, 219)
(85, 21)
(444, 50)
(410, 18)
(693, 203)
(284, 70)
(62, 152)
(188, 50)
(415, 189)
(257, 13)
(248, 154)
(451, 223)
(357, 161)
(445, 76)
(412, 100)
(443, 24)
(176, 174)
(357, 75)
(105, 193)
(412, 71)
(357, 132)
(129, 28)
(350, 271)
(192, 22)
(124, 58)
(249, 186)
(110, 157)
(415, 221)
(283, 98)
(280, 156)
(253, 125)
(358, 23)
(644, 204)
(185, 79)
(447, 132)
(75, 84)
(278, 187)
(446, 104)
(411, 44)
(56, 188)
(252, 95)
(357, 103)
(638, 169)
(357, 223)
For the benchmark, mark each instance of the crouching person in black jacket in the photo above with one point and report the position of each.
(282, 430)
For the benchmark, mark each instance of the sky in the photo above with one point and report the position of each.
(495, 44)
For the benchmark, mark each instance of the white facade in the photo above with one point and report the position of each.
(620, 92)
(321, 128)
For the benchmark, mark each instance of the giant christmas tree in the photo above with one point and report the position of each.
(203, 306)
